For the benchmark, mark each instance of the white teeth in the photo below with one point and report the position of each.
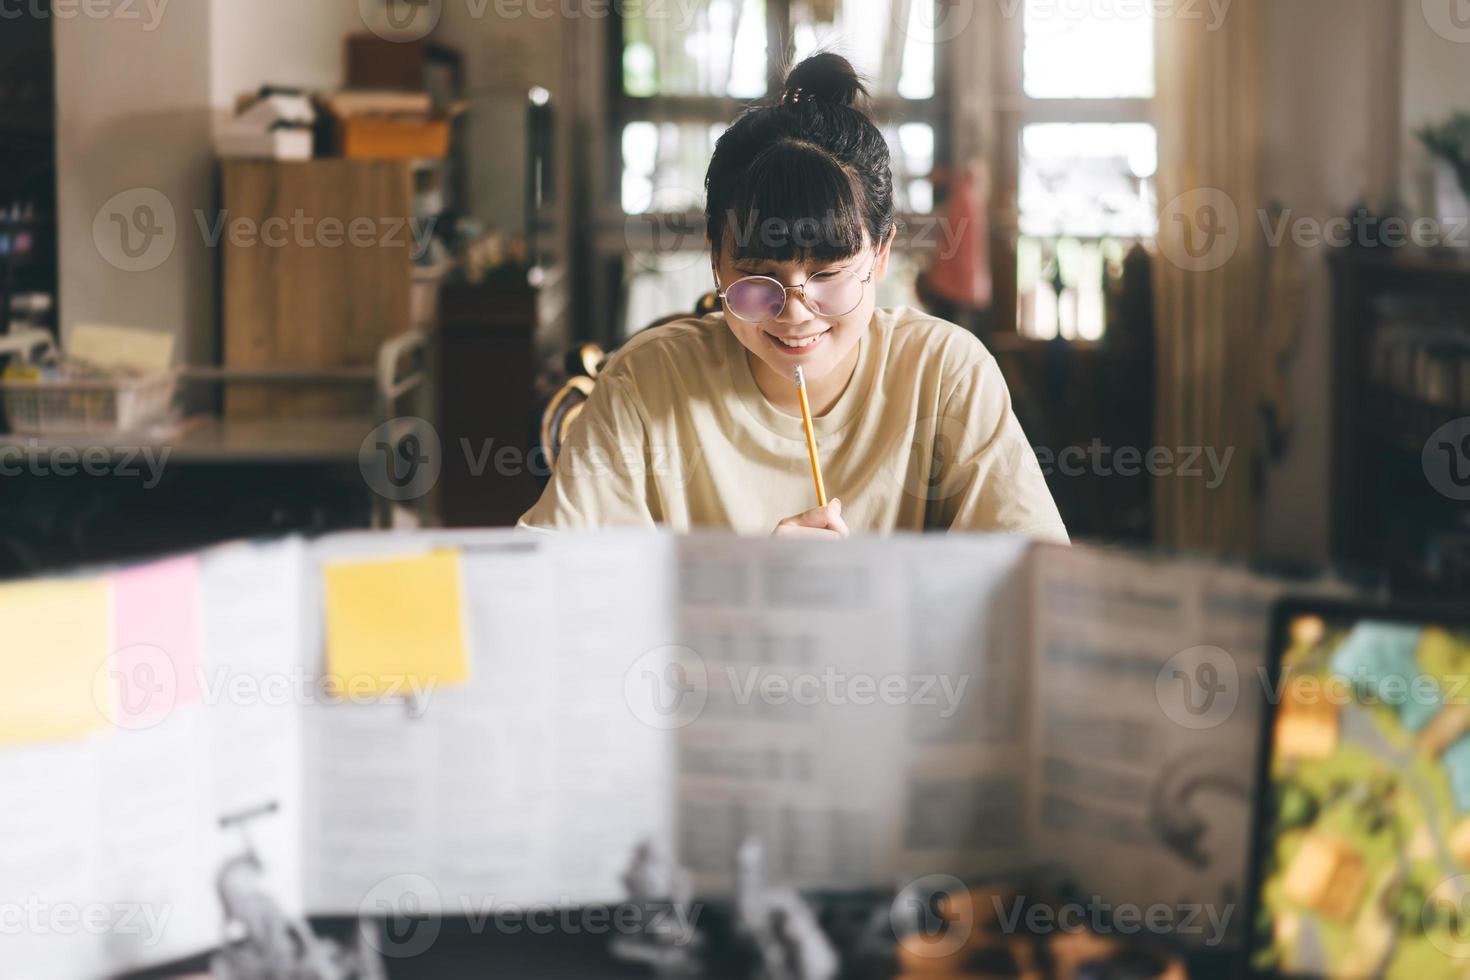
(805, 342)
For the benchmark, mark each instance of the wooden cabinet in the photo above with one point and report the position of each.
(317, 272)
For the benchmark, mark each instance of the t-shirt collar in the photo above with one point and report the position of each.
(789, 426)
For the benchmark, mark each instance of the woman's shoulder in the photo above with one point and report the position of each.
(919, 340)
(678, 345)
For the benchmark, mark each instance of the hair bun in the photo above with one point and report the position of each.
(824, 77)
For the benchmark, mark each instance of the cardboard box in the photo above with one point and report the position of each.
(389, 138)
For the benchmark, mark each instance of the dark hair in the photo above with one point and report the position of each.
(804, 178)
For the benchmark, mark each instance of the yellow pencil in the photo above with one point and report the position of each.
(811, 438)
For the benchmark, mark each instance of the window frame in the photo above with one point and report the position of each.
(1014, 111)
(614, 236)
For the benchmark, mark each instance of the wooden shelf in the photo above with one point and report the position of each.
(1385, 512)
(1450, 262)
(1401, 421)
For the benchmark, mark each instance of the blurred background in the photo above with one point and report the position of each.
(285, 266)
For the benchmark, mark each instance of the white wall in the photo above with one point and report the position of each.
(297, 43)
(136, 102)
(504, 57)
(132, 114)
(1348, 82)
(1436, 83)
(1331, 125)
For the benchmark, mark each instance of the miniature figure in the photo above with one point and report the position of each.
(778, 923)
(661, 891)
(262, 942)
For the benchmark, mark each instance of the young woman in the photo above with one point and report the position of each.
(697, 423)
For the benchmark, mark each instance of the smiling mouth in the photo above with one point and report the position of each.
(797, 345)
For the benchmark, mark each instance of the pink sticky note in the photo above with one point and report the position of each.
(157, 638)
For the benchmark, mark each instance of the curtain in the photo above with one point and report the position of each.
(1209, 271)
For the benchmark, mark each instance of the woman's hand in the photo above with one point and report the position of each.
(819, 522)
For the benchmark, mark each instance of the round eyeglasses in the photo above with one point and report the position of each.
(758, 299)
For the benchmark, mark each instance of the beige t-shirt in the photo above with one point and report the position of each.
(676, 433)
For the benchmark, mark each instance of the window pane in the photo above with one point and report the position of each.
(695, 47)
(866, 32)
(1060, 286)
(898, 286)
(1082, 49)
(911, 149)
(664, 165)
(1091, 180)
(659, 285)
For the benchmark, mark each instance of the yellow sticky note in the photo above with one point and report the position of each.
(395, 626)
(54, 638)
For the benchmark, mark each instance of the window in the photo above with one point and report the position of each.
(1085, 155)
(676, 87)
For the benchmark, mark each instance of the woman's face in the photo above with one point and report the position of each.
(801, 336)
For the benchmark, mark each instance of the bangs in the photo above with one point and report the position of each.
(794, 203)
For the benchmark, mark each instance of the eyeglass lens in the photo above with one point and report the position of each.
(760, 298)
